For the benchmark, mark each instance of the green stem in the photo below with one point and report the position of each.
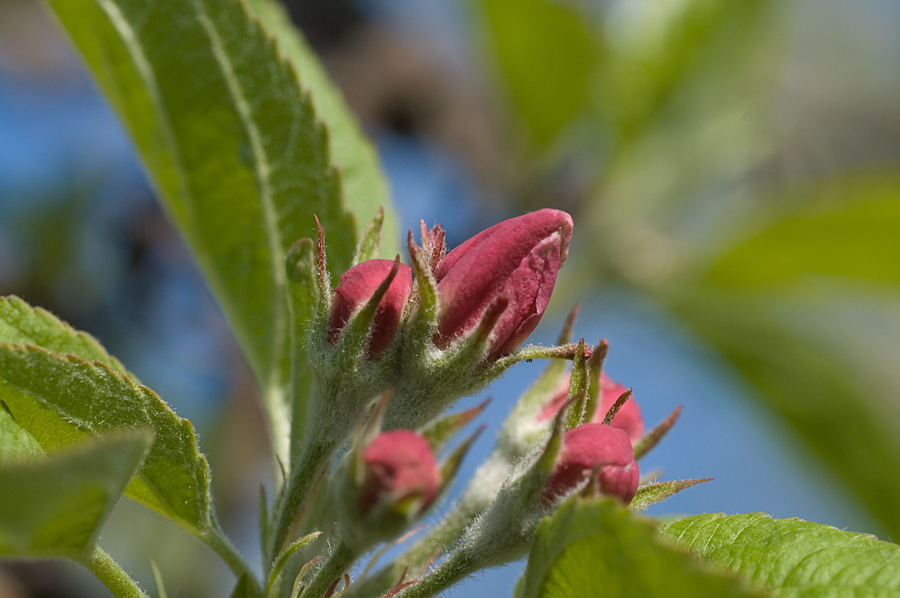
(112, 575)
(297, 491)
(482, 490)
(454, 569)
(338, 564)
(446, 533)
(216, 539)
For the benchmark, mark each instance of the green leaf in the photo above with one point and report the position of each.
(804, 306)
(793, 558)
(238, 153)
(849, 233)
(792, 350)
(16, 444)
(54, 508)
(25, 325)
(652, 56)
(548, 55)
(63, 399)
(597, 548)
(365, 189)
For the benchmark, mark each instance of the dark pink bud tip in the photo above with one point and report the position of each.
(400, 468)
(595, 447)
(358, 284)
(517, 259)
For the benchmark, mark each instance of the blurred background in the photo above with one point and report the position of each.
(733, 169)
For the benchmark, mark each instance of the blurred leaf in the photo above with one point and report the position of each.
(591, 548)
(54, 508)
(808, 383)
(793, 558)
(850, 231)
(237, 151)
(25, 325)
(624, 65)
(772, 305)
(654, 53)
(62, 399)
(16, 444)
(548, 55)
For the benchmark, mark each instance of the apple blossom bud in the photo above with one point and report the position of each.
(400, 471)
(594, 450)
(357, 286)
(517, 261)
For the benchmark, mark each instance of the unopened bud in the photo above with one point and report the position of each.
(594, 452)
(516, 260)
(400, 472)
(358, 285)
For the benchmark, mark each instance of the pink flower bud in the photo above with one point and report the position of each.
(628, 417)
(591, 447)
(518, 260)
(358, 284)
(399, 468)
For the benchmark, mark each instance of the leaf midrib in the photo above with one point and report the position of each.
(262, 171)
(261, 163)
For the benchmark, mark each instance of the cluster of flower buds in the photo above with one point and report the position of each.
(422, 337)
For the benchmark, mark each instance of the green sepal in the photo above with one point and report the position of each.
(652, 438)
(367, 248)
(578, 387)
(614, 408)
(354, 338)
(441, 430)
(594, 369)
(285, 555)
(660, 491)
(450, 466)
(425, 295)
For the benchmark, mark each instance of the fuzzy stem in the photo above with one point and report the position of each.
(336, 565)
(297, 491)
(119, 583)
(216, 539)
(482, 490)
(454, 569)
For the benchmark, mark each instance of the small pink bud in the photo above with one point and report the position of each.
(399, 468)
(517, 260)
(358, 284)
(595, 447)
